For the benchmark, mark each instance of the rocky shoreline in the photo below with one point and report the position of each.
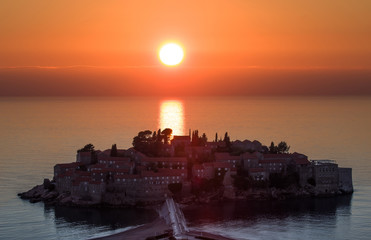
(47, 193)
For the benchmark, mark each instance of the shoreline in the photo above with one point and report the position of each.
(41, 193)
(158, 229)
(152, 229)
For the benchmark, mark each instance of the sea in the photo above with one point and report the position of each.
(37, 133)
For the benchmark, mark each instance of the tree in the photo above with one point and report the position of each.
(273, 149)
(87, 148)
(227, 140)
(195, 138)
(142, 142)
(166, 133)
(216, 137)
(113, 151)
(203, 140)
(283, 147)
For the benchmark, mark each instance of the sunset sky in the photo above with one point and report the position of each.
(235, 47)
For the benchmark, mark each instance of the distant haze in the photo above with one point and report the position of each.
(186, 82)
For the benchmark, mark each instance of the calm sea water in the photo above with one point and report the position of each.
(36, 134)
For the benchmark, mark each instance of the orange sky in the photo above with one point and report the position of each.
(110, 47)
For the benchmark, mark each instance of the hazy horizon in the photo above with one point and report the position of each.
(81, 81)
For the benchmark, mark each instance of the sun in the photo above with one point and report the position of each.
(171, 54)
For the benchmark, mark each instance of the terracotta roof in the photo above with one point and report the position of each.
(272, 161)
(277, 156)
(123, 165)
(221, 157)
(116, 159)
(198, 149)
(248, 155)
(129, 176)
(164, 173)
(97, 166)
(165, 159)
(69, 165)
(182, 138)
(222, 165)
(301, 161)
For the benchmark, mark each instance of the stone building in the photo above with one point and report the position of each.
(326, 176)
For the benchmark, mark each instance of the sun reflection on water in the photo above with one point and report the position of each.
(171, 116)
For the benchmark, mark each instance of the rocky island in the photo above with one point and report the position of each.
(191, 169)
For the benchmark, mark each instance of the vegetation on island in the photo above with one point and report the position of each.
(281, 148)
(87, 148)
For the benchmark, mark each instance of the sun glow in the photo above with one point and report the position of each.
(171, 54)
(171, 116)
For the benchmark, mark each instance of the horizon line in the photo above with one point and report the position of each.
(312, 67)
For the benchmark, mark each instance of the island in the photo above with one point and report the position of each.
(191, 170)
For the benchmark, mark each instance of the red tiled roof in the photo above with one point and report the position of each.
(301, 161)
(97, 166)
(248, 155)
(220, 157)
(164, 173)
(69, 165)
(164, 159)
(130, 176)
(197, 149)
(182, 138)
(277, 156)
(116, 159)
(272, 161)
(123, 165)
(222, 165)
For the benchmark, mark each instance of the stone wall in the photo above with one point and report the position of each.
(345, 180)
